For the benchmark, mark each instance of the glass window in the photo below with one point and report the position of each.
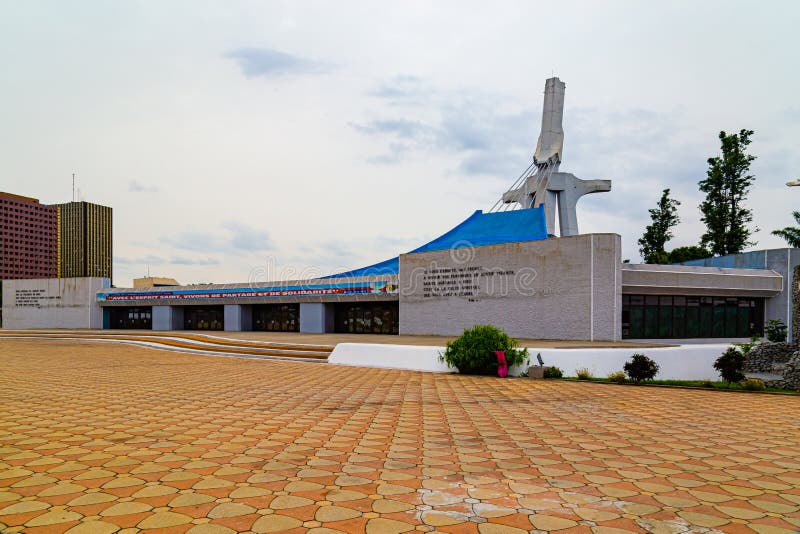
(651, 321)
(743, 319)
(718, 330)
(637, 322)
(665, 318)
(692, 317)
(679, 321)
(626, 320)
(731, 317)
(706, 317)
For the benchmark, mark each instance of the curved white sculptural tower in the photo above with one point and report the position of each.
(558, 191)
(550, 146)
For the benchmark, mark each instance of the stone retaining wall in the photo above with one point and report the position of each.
(763, 357)
(791, 375)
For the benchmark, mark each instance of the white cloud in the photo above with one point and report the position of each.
(136, 187)
(253, 129)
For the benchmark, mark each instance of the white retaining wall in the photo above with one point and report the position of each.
(683, 362)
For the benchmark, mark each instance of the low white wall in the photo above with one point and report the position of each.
(684, 362)
(389, 356)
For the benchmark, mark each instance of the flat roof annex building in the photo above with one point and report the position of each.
(523, 266)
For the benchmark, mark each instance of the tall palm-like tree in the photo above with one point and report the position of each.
(791, 233)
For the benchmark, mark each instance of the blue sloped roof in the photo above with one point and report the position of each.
(477, 230)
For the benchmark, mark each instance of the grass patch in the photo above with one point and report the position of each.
(699, 384)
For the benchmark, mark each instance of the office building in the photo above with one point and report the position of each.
(27, 238)
(84, 240)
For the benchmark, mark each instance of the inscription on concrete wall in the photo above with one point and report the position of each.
(458, 281)
(535, 289)
(33, 298)
(52, 303)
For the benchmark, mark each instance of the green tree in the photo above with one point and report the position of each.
(664, 218)
(726, 186)
(791, 233)
(693, 252)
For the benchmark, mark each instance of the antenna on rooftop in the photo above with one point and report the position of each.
(73, 187)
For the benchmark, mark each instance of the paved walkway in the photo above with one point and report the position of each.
(333, 339)
(104, 439)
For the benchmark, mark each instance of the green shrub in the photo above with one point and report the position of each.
(731, 365)
(747, 347)
(776, 331)
(753, 384)
(472, 353)
(707, 384)
(553, 372)
(583, 374)
(617, 377)
(640, 367)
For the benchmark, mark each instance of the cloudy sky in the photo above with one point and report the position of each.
(252, 140)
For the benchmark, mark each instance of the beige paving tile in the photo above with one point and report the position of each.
(218, 445)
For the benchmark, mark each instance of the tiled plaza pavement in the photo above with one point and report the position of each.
(99, 438)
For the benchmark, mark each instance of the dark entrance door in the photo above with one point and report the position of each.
(367, 317)
(131, 318)
(276, 317)
(204, 318)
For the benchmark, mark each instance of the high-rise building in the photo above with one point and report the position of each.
(28, 238)
(84, 240)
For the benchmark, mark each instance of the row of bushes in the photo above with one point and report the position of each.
(638, 369)
(730, 366)
(474, 353)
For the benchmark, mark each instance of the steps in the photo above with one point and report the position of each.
(191, 342)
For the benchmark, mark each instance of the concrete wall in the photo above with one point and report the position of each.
(684, 362)
(561, 288)
(316, 317)
(52, 303)
(781, 260)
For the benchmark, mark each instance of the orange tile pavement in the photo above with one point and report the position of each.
(99, 439)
